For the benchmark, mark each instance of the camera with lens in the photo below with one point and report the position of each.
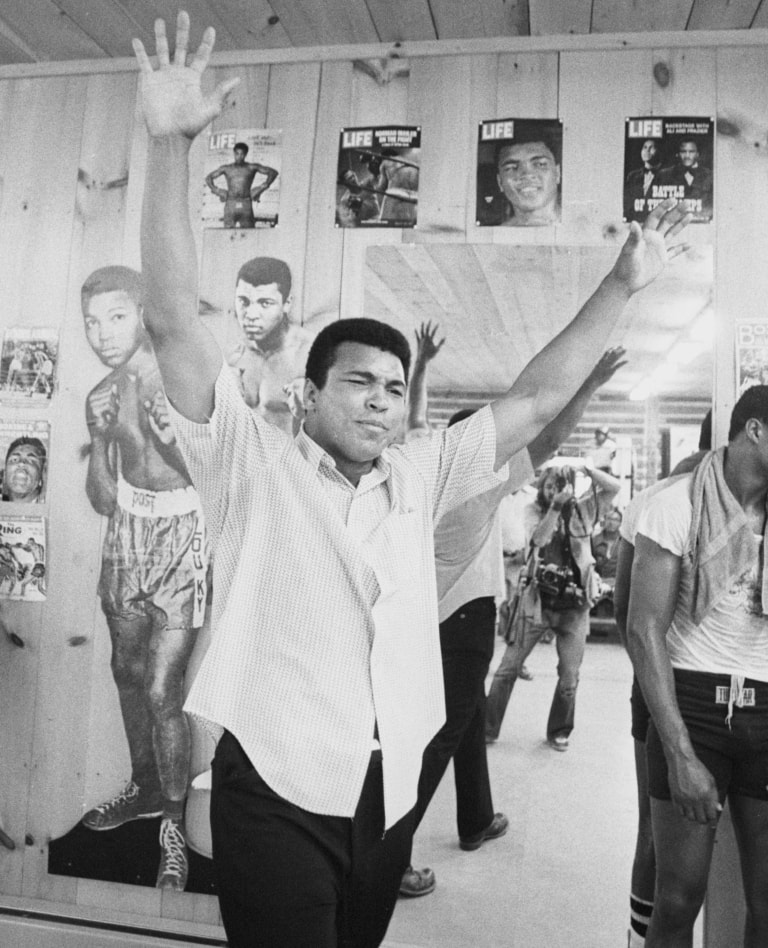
(558, 587)
(553, 579)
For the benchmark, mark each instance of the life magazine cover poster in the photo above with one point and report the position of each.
(668, 157)
(751, 354)
(519, 172)
(377, 182)
(242, 178)
(22, 558)
(28, 364)
(24, 452)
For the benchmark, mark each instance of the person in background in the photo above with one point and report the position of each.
(643, 879)
(603, 450)
(605, 546)
(470, 582)
(561, 588)
(697, 634)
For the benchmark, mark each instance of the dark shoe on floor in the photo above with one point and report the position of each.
(417, 882)
(130, 804)
(525, 674)
(559, 742)
(497, 827)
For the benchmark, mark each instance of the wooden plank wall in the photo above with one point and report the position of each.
(64, 140)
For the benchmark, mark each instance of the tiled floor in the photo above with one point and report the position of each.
(560, 877)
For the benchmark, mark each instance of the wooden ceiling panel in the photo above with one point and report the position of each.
(13, 49)
(112, 24)
(399, 20)
(722, 14)
(553, 17)
(202, 13)
(457, 19)
(629, 16)
(59, 30)
(760, 20)
(254, 24)
(47, 31)
(325, 22)
(109, 25)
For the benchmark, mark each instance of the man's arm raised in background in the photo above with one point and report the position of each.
(557, 431)
(176, 111)
(554, 375)
(417, 418)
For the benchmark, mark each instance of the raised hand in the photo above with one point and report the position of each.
(562, 497)
(172, 101)
(608, 364)
(426, 346)
(647, 250)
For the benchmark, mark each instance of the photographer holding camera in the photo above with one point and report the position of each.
(558, 587)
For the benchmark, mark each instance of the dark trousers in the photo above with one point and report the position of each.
(466, 641)
(288, 878)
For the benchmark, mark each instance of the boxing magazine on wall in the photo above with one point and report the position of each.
(241, 188)
(751, 354)
(22, 558)
(519, 172)
(33, 434)
(28, 365)
(668, 157)
(377, 179)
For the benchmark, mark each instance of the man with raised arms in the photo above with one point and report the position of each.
(323, 680)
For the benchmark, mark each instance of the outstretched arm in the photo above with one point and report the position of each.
(418, 398)
(175, 112)
(550, 439)
(552, 378)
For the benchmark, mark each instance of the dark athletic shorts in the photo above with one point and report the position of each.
(736, 756)
(640, 713)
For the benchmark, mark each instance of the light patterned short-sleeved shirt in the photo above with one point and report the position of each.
(325, 606)
(468, 551)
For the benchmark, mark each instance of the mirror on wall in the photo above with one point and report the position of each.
(499, 304)
(562, 873)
